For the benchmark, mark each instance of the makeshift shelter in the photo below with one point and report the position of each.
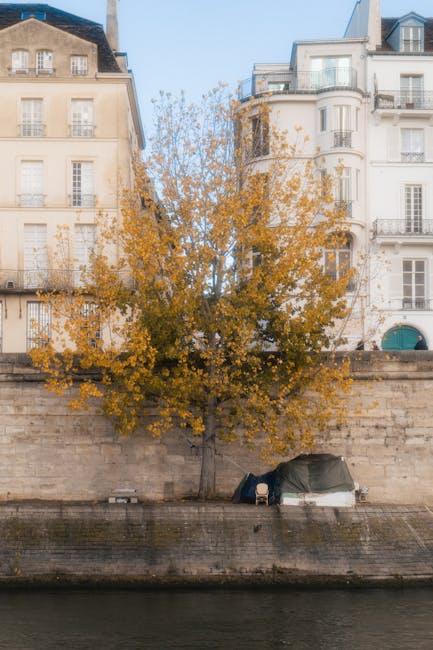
(308, 479)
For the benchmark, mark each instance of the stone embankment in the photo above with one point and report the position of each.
(217, 543)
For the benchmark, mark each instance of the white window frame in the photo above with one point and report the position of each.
(35, 255)
(84, 247)
(413, 207)
(79, 65)
(412, 38)
(83, 184)
(32, 117)
(44, 62)
(414, 283)
(82, 118)
(20, 62)
(412, 145)
(32, 184)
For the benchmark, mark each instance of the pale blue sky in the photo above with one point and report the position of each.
(190, 45)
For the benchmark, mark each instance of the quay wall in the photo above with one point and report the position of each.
(49, 452)
(58, 544)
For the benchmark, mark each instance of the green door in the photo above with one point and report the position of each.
(402, 337)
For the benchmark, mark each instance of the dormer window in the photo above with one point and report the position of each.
(40, 15)
(412, 39)
(44, 62)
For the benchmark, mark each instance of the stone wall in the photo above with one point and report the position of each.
(63, 544)
(50, 452)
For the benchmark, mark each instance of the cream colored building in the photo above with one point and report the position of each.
(69, 126)
(366, 102)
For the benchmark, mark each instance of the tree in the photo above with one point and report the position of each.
(228, 309)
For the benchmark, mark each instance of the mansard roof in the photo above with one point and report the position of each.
(11, 14)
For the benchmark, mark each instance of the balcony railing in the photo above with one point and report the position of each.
(79, 200)
(344, 206)
(411, 304)
(31, 72)
(404, 100)
(79, 130)
(298, 82)
(30, 280)
(343, 139)
(403, 227)
(32, 130)
(31, 200)
(412, 157)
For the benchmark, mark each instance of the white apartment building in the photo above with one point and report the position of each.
(69, 126)
(366, 102)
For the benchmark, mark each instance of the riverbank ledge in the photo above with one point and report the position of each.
(77, 544)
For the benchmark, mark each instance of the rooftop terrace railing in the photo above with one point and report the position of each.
(288, 82)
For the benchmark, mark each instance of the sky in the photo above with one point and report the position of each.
(191, 45)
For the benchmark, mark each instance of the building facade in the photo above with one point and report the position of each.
(366, 103)
(69, 127)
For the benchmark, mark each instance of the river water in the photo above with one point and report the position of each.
(327, 619)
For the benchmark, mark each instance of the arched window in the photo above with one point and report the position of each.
(401, 337)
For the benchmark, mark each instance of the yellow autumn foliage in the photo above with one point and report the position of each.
(218, 312)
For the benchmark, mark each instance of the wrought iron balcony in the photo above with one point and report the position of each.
(32, 129)
(285, 82)
(31, 200)
(32, 280)
(411, 304)
(79, 130)
(345, 206)
(79, 200)
(404, 100)
(31, 72)
(343, 139)
(403, 228)
(411, 156)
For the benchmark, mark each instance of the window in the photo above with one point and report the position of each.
(32, 118)
(35, 256)
(412, 39)
(331, 71)
(342, 121)
(339, 260)
(260, 136)
(82, 185)
(79, 64)
(82, 118)
(322, 119)
(40, 15)
(414, 288)
(92, 322)
(44, 62)
(412, 91)
(84, 246)
(32, 183)
(412, 145)
(413, 208)
(38, 324)
(343, 190)
(20, 62)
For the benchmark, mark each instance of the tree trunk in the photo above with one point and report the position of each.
(208, 457)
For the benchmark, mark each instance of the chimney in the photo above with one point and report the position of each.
(113, 24)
